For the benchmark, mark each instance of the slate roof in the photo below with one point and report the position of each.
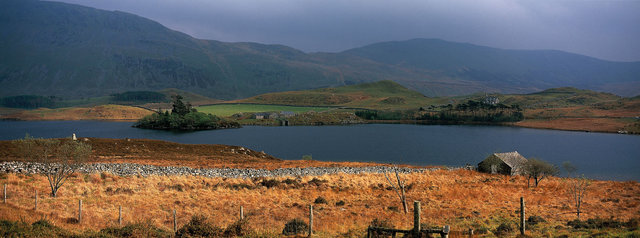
(513, 159)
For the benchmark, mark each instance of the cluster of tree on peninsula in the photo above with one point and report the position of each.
(471, 111)
(476, 111)
(184, 117)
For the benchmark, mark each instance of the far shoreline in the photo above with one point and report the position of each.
(408, 122)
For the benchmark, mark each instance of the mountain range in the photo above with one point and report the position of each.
(71, 51)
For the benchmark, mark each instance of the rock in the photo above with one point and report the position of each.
(126, 169)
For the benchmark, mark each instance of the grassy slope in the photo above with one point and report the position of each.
(190, 97)
(378, 95)
(560, 97)
(580, 110)
(226, 110)
(559, 108)
(193, 98)
(102, 112)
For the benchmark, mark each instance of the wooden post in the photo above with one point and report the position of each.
(445, 231)
(522, 225)
(310, 220)
(120, 215)
(80, 211)
(5, 193)
(416, 217)
(36, 206)
(175, 222)
(241, 212)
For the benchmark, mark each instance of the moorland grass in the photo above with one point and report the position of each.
(462, 199)
(225, 110)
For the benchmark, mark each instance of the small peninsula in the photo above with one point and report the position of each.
(184, 117)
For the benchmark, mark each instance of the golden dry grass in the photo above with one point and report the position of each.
(102, 112)
(459, 198)
(164, 153)
(584, 118)
(577, 124)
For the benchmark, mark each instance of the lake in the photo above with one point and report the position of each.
(597, 155)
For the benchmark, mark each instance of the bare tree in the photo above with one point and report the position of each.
(59, 160)
(569, 168)
(577, 189)
(538, 170)
(399, 189)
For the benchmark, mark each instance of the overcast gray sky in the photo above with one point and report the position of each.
(606, 29)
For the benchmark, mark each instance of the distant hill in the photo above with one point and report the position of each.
(558, 97)
(70, 51)
(384, 94)
(506, 70)
(387, 94)
(52, 48)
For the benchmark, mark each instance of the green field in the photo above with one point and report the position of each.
(225, 110)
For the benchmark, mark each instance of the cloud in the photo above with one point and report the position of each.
(604, 29)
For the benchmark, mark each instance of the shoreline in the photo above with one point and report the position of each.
(408, 122)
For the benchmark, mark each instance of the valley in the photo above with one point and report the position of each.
(559, 108)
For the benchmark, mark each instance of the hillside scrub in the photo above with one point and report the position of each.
(139, 96)
(28, 101)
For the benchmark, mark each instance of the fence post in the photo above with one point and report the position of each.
(445, 231)
(310, 220)
(175, 223)
(80, 211)
(120, 215)
(241, 212)
(522, 225)
(36, 206)
(5, 193)
(416, 217)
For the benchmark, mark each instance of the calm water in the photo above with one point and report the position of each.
(597, 155)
